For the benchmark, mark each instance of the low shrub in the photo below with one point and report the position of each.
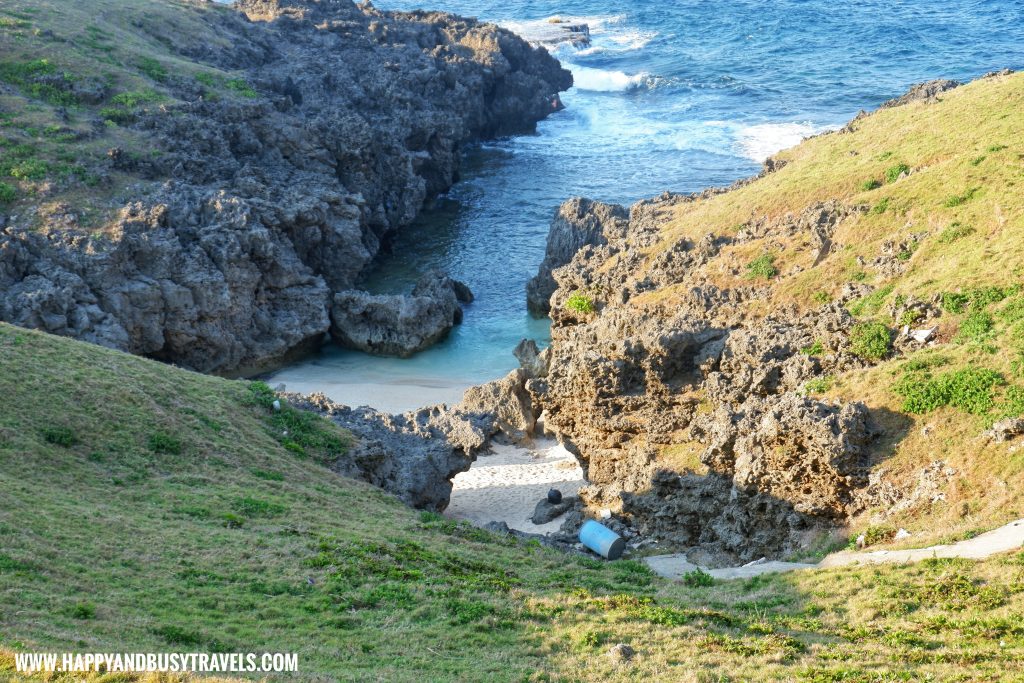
(164, 443)
(872, 303)
(83, 610)
(818, 385)
(815, 349)
(893, 173)
(954, 232)
(762, 267)
(881, 207)
(960, 199)
(241, 87)
(254, 507)
(969, 389)
(152, 68)
(869, 185)
(60, 436)
(698, 578)
(8, 193)
(870, 340)
(975, 328)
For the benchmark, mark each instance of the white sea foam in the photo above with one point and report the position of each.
(607, 33)
(760, 141)
(600, 80)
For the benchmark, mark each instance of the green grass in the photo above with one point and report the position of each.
(235, 543)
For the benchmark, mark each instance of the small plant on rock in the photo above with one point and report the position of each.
(580, 303)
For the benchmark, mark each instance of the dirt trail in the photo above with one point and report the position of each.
(1004, 539)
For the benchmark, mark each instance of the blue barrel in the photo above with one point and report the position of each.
(602, 540)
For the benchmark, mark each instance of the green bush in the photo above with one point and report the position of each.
(580, 303)
(232, 521)
(815, 349)
(30, 169)
(955, 232)
(762, 267)
(133, 99)
(818, 385)
(83, 610)
(164, 443)
(970, 389)
(893, 173)
(909, 317)
(959, 199)
(870, 340)
(59, 436)
(698, 578)
(869, 185)
(8, 193)
(881, 207)
(242, 87)
(299, 431)
(954, 302)
(152, 68)
(254, 507)
(975, 328)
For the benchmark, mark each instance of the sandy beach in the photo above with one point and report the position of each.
(506, 485)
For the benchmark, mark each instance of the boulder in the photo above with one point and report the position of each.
(398, 324)
(414, 455)
(927, 92)
(547, 511)
(508, 401)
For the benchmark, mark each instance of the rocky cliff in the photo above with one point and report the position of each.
(263, 158)
(741, 370)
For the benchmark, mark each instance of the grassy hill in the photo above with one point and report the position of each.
(73, 76)
(146, 508)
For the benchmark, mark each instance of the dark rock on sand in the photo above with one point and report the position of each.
(414, 455)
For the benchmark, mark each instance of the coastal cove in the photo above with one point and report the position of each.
(676, 97)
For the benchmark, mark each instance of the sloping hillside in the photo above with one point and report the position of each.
(147, 508)
(826, 344)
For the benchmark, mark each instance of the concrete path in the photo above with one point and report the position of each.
(1004, 539)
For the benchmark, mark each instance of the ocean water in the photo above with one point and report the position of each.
(676, 96)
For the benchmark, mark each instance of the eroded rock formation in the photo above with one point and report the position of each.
(271, 203)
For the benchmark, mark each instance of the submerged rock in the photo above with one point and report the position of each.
(398, 324)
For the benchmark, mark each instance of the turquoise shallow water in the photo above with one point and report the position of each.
(670, 96)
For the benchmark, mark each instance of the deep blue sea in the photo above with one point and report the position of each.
(671, 95)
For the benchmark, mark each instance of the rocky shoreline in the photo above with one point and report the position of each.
(267, 208)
